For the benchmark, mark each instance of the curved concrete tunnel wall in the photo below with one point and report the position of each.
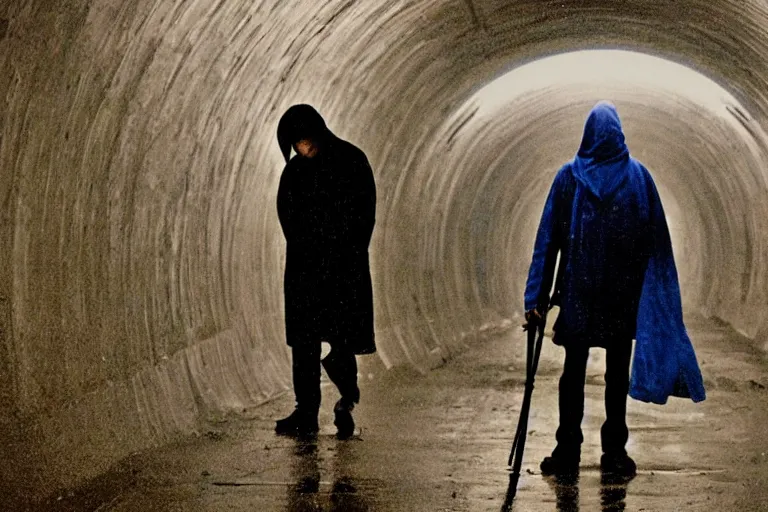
(141, 269)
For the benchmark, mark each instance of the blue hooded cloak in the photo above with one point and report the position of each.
(616, 279)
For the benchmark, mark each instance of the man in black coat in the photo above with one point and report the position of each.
(326, 203)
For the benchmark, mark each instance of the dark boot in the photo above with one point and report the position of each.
(562, 462)
(618, 464)
(343, 420)
(298, 424)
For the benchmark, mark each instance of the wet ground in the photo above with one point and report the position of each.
(440, 442)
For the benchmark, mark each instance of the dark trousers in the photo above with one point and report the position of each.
(340, 365)
(614, 432)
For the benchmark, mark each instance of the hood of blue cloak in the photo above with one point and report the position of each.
(602, 163)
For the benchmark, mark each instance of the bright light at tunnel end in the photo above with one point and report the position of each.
(621, 70)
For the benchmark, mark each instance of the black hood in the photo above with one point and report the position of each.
(300, 122)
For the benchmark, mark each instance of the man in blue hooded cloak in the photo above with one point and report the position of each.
(616, 280)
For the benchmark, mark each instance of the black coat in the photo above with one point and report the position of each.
(327, 207)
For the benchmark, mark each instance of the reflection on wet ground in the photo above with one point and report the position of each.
(565, 488)
(440, 442)
(566, 491)
(305, 493)
(613, 492)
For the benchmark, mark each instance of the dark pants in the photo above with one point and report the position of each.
(614, 432)
(340, 365)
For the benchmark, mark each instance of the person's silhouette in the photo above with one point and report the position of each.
(326, 203)
(616, 281)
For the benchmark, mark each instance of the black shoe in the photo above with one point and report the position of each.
(343, 420)
(559, 465)
(618, 465)
(297, 424)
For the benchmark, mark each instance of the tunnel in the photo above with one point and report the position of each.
(142, 258)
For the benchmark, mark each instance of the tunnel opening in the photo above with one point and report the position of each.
(499, 151)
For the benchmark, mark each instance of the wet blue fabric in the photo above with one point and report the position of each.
(617, 278)
(664, 361)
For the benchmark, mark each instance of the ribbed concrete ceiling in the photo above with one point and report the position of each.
(141, 268)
